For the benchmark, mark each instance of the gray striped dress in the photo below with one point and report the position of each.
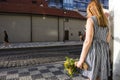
(98, 54)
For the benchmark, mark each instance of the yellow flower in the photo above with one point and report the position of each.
(69, 66)
(70, 72)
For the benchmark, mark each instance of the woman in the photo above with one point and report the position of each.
(81, 36)
(6, 42)
(95, 51)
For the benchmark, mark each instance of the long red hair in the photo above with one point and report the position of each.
(95, 9)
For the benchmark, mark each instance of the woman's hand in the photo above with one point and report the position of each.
(78, 64)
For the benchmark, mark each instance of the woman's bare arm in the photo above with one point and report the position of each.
(87, 42)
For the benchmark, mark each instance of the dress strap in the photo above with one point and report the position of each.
(95, 23)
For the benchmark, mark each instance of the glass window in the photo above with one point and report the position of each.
(73, 4)
(51, 3)
(55, 3)
(34, 1)
(58, 3)
(68, 3)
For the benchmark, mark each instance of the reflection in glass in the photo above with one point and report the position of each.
(79, 5)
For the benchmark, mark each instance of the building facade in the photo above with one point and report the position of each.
(35, 21)
(43, 20)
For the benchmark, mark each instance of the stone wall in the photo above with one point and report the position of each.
(115, 25)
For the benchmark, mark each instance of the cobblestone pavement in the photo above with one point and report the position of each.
(37, 58)
(35, 67)
(49, 71)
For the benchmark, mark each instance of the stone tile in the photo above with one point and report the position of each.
(63, 77)
(24, 74)
(78, 78)
(12, 72)
(57, 73)
(52, 78)
(41, 79)
(25, 78)
(13, 79)
(34, 72)
(53, 69)
(12, 76)
(3, 73)
(37, 76)
(50, 66)
(33, 69)
(23, 70)
(46, 75)
(58, 65)
(44, 71)
(42, 67)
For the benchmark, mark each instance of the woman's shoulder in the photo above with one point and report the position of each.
(90, 19)
(93, 17)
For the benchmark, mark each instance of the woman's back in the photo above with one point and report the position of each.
(100, 33)
(98, 54)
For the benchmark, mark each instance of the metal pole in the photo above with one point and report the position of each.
(63, 29)
(31, 30)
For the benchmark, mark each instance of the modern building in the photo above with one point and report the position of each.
(41, 20)
(77, 5)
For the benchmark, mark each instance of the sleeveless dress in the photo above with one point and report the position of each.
(98, 55)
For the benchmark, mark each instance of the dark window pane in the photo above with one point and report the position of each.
(34, 1)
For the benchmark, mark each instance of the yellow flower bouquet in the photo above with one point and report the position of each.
(69, 66)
